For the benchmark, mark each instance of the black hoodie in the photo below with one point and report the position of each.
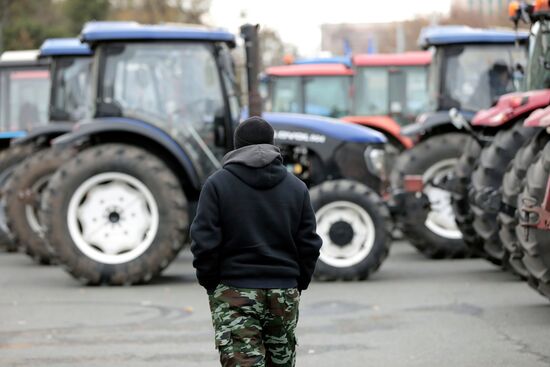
(254, 227)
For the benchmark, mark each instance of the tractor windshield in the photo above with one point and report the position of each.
(286, 95)
(317, 95)
(538, 75)
(327, 95)
(24, 97)
(472, 77)
(70, 88)
(175, 86)
(397, 91)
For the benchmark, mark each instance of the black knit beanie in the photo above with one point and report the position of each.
(254, 130)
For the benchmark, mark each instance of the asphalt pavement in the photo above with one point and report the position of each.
(413, 312)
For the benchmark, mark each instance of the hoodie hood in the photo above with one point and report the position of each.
(259, 166)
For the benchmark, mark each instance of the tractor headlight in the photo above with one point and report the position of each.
(376, 161)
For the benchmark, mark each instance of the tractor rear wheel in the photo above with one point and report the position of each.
(23, 189)
(438, 236)
(512, 185)
(485, 192)
(534, 242)
(355, 226)
(461, 206)
(9, 159)
(115, 214)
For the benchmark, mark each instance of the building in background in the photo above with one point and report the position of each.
(484, 7)
(338, 39)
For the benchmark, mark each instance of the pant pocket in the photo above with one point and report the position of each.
(222, 339)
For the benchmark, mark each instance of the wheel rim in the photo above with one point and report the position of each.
(339, 249)
(31, 211)
(441, 218)
(113, 218)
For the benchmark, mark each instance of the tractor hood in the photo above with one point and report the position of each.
(384, 124)
(510, 106)
(429, 121)
(539, 118)
(315, 129)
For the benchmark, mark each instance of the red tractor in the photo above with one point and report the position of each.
(380, 91)
(489, 175)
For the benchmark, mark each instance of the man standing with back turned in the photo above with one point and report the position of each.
(255, 249)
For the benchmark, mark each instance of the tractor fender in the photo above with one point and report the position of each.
(46, 132)
(384, 124)
(511, 106)
(427, 122)
(539, 118)
(109, 128)
(322, 135)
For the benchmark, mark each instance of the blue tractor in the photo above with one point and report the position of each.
(68, 64)
(164, 107)
(54, 80)
(470, 69)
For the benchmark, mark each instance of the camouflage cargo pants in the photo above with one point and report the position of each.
(255, 327)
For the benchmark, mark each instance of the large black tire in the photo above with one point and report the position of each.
(108, 177)
(512, 185)
(23, 189)
(461, 206)
(344, 208)
(485, 192)
(9, 159)
(443, 151)
(535, 243)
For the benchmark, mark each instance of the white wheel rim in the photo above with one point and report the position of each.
(31, 212)
(362, 241)
(113, 218)
(441, 218)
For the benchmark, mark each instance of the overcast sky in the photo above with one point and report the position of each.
(298, 21)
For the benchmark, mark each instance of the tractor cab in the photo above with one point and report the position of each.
(513, 106)
(70, 62)
(471, 68)
(538, 75)
(174, 79)
(393, 85)
(67, 66)
(24, 91)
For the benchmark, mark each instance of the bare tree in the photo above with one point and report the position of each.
(157, 11)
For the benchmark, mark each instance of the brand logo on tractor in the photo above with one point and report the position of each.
(299, 136)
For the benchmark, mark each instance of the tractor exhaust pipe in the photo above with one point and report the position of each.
(249, 33)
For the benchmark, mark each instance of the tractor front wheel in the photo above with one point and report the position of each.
(354, 224)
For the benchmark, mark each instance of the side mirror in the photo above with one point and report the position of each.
(457, 119)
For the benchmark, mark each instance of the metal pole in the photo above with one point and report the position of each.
(252, 47)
